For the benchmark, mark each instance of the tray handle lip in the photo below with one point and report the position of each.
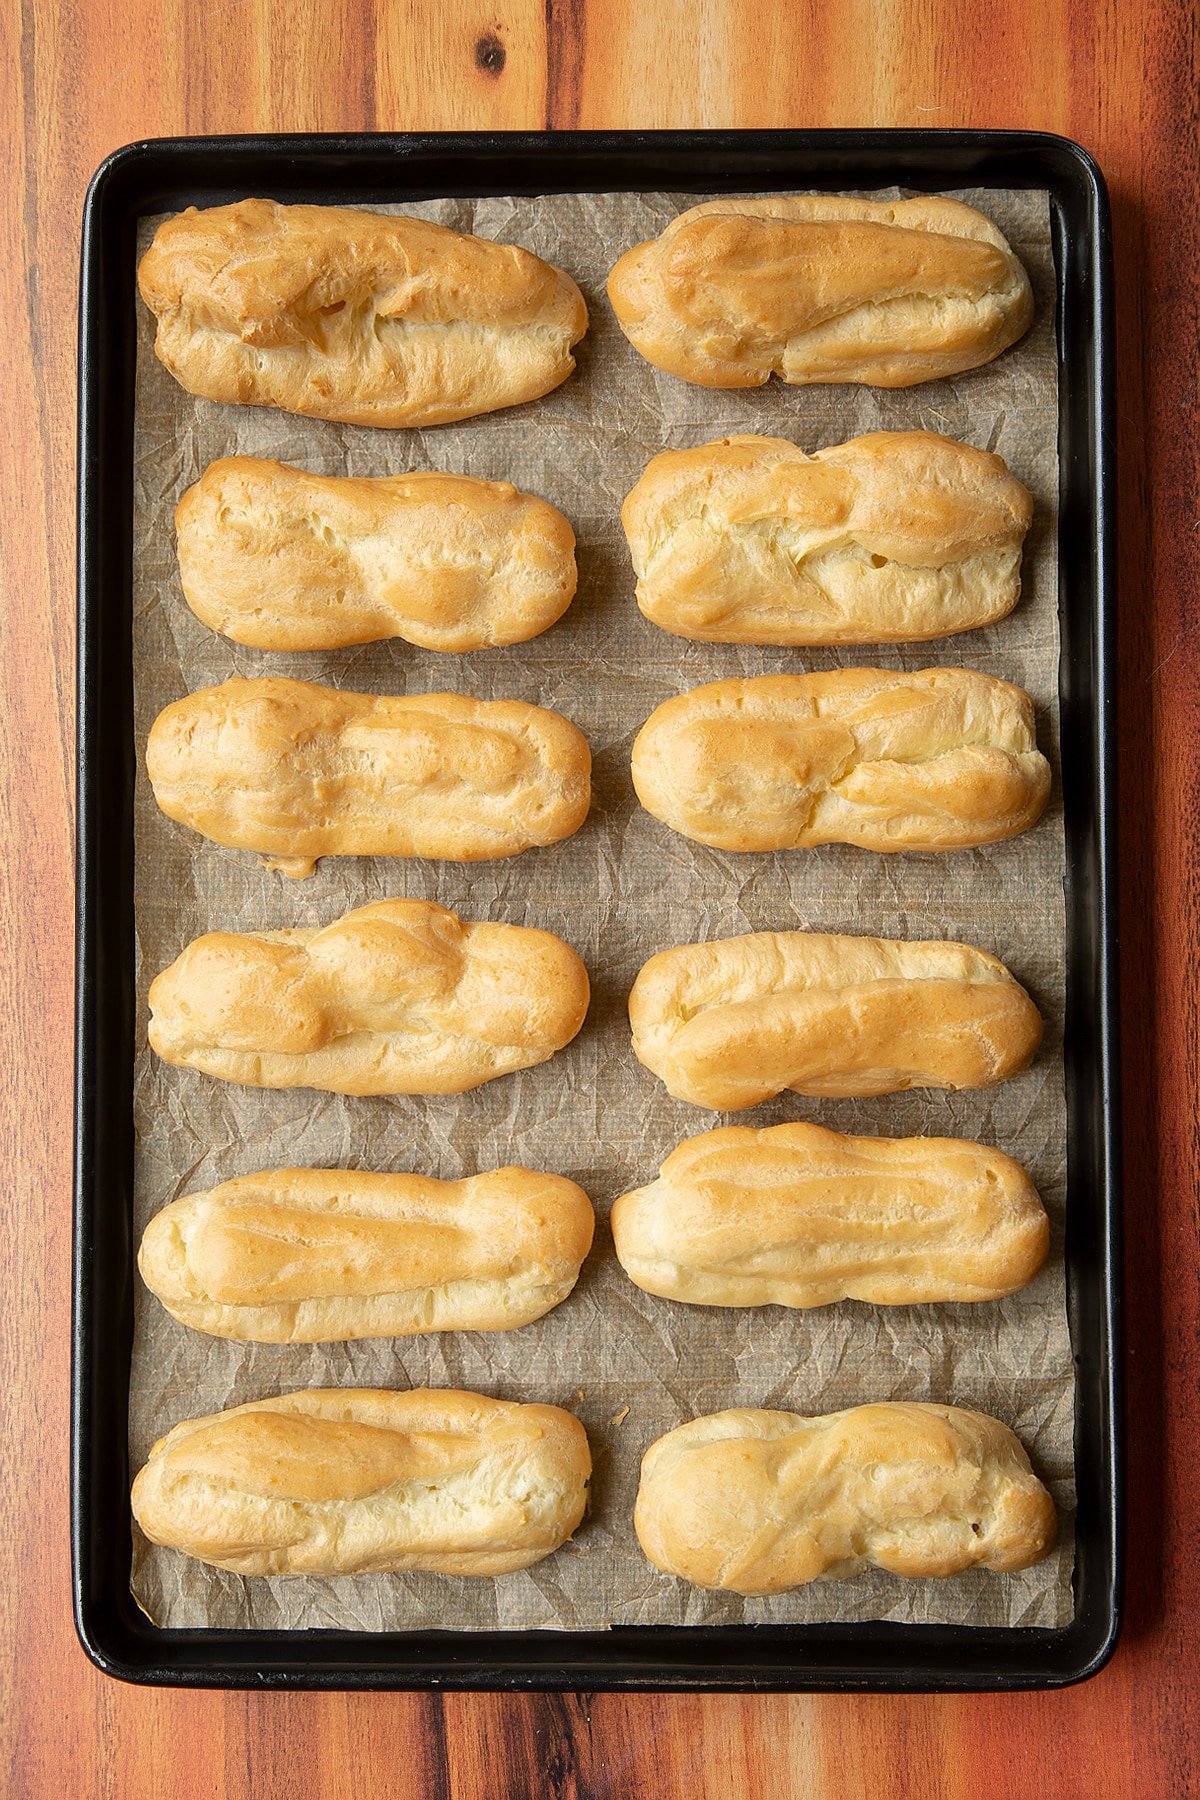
(1084, 182)
(118, 1654)
(1072, 160)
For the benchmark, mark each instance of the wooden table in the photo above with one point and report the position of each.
(83, 76)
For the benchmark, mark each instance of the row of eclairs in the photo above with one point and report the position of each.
(894, 537)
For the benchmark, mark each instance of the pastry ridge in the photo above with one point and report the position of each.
(731, 1023)
(799, 1216)
(895, 536)
(345, 1481)
(361, 317)
(940, 759)
(758, 1502)
(399, 997)
(297, 771)
(304, 1256)
(822, 288)
(281, 559)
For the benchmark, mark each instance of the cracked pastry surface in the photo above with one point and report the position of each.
(296, 771)
(822, 288)
(345, 1481)
(362, 317)
(758, 1502)
(400, 997)
(942, 759)
(308, 1256)
(895, 536)
(733, 1022)
(280, 559)
(799, 1216)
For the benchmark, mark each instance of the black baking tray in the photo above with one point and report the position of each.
(168, 174)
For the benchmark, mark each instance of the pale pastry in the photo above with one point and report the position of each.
(283, 560)
(799, 1216)
(734, 1022)
(893, 537)
(822, 288)
(350, 1481)
(311, 1256)
(943, 759)
(368, 318)
(759, 1502)
(401, 997)
(297, 771)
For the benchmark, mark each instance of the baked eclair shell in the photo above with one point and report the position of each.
(941, 759)
(758, 1502)
(280, 559)
(296, 771)
(893, 537)
(822, 288)
(733, 1022)
(799, 1216)
(400, 997)
(310, 1256)
(367, 318)
(349, 1481)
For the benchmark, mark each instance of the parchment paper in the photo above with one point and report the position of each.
(630, 1365)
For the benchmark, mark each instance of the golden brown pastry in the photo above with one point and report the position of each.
(358, 316)
(822, 288)
(895, 536)
(283, 560)
(734, 1022)
(759, 1502)
(346, 1481)
(401, 997)
(799, 1216)
(314, 1256)
(938, 760)
(297, 771)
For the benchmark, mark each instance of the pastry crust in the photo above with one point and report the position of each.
(799, 1216)
(283, 560)
(401, 997)
(345, 1481)
(890, 538)
(357, 316)
(822, 288)
(759, 1502)
(313, 1256)
(732, 1023)
(297, 771)
(942, 759)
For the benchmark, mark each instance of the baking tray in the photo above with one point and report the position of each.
(168, 174)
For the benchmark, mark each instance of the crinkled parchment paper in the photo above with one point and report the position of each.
(630, 1365)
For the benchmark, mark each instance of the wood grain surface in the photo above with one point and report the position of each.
(81, 77)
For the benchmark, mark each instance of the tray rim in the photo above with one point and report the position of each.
(871, 1656)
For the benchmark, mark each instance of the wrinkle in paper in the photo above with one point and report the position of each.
(630, 1365)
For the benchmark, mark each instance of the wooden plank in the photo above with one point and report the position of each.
(82, 76)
